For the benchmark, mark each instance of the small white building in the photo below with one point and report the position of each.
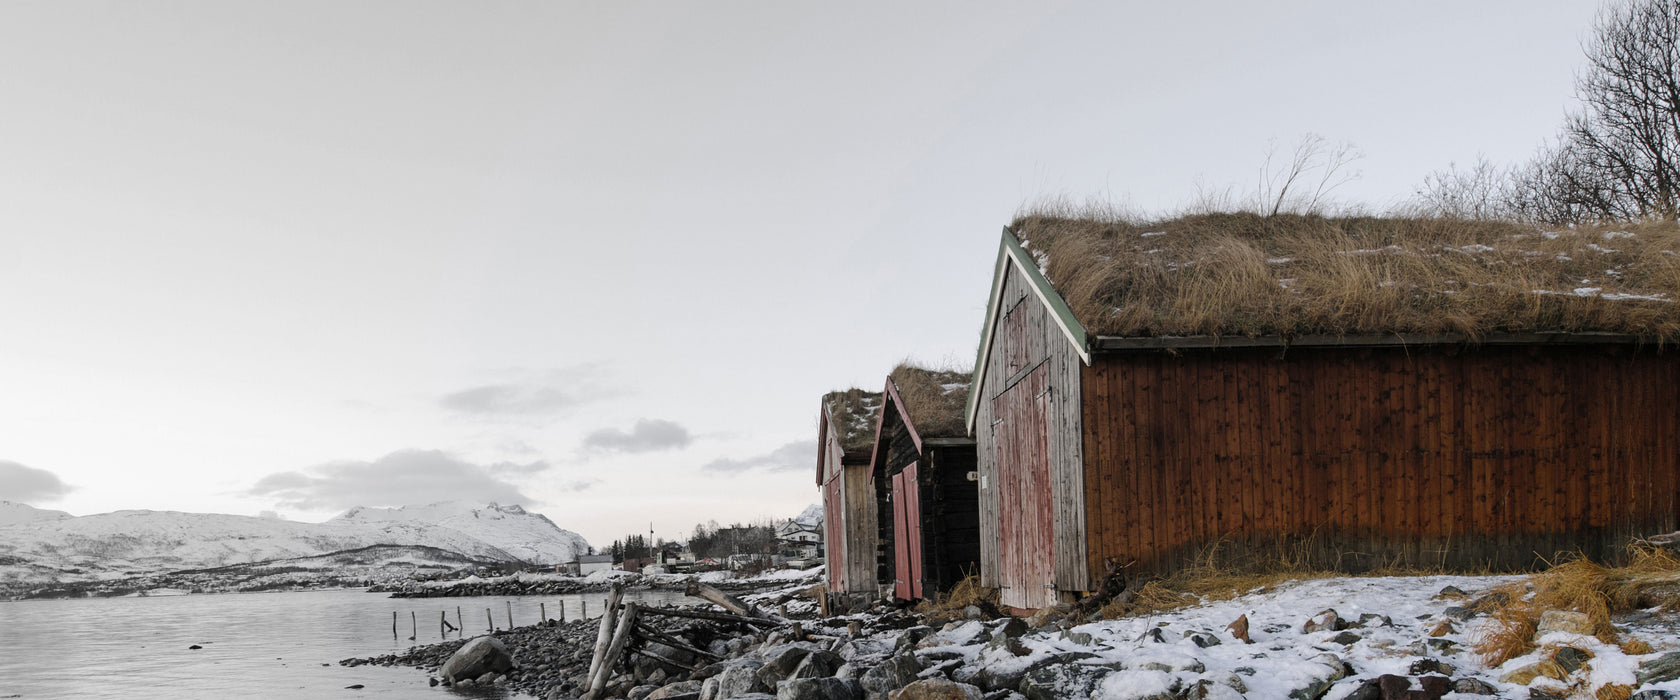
(800, 539)
(591, 563)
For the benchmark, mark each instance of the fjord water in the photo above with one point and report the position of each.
(255, 645)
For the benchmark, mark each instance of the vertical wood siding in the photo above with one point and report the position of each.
(1026, 338)
(1357, 459)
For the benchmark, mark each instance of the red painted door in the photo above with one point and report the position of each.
(901, 548)
(907, 535)
(1026, 528)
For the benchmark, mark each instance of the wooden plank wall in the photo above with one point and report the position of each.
(1017, 346)
(1492, 457)
(862, 541)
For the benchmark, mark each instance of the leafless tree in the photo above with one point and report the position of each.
(1482, 191)
(1619, 158)
(1316, 164)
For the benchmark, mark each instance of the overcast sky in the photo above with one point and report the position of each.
(602, 259)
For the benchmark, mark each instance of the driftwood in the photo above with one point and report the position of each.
(663, 660)
(708, 615)
(723, 600)
(649, 633)
(621, 639)
(603, 638)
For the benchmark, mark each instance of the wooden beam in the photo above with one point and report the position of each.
(723, 600)
(708, 615)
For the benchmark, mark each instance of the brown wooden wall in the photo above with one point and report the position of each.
(1492, 456)
(1026, 338)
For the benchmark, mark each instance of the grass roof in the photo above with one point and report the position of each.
(852, 413)
(1290, 275)
(935, 400)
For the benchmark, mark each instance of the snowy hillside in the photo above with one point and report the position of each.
(528, 536)
(13, 513)
(134, 542)
(812, 515)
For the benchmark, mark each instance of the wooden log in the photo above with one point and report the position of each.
(708, 615)
(621, 639)
(655, 635)
(723, 600)
(603, 637)
(663, 660)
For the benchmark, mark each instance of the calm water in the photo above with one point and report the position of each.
(256, 645)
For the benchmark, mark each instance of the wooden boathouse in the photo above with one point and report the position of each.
(845, 435)
(1339, 393)
(924, 459)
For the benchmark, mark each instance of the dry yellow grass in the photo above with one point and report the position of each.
(1209, 577)
(854, 416)
(968, 591)
(1290, 275)
(1578, 586)
(934, 399)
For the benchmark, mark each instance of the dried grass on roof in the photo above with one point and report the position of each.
(1290, 275)
(852, 413)
(935, 400)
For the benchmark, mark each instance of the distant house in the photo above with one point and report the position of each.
(591, 563)
(799, 540)
(1351, 393)
(845, 433)
(932, 537)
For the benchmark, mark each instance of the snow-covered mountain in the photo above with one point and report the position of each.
(13, 513)
(43, 548)
(528, 536)
(812, 515)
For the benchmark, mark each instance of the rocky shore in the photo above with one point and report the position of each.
(1370, 639)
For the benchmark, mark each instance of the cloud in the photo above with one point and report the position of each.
(405, 477)
(23, 484)
(794, 456)
(648, 435)
(534, 394)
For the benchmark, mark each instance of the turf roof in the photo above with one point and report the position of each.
(853, 415)
(1287, 275)
(934, 399)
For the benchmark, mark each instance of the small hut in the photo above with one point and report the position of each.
(1341, 393)
(925, 459)
(845, 431)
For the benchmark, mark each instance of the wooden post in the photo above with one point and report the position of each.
(393, 624)
(459, 625)
(542, 609)
(413, 625)
(621, 639)
(585, 604)
(562, 610)
(443, 624)
(510, 613)
(603, 637)
(489, 620)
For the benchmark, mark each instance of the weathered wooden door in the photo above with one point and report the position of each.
(1026, 527)
(833, 527)
(907, 535)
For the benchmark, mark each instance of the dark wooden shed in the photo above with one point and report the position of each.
(1347, 394)
(845, 436)
(924, 459)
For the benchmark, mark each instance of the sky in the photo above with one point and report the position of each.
(603, 259)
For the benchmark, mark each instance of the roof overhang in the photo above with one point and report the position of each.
(1113, 344)
(1010, 253)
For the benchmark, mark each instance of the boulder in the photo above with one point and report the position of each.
(1205, 689)
(819, 689)
(475, 658)
(1563, 621)
(734, 682)
(1334, 670)
(1660, 669)
(1062, 680)
(1326, 621)
(1239, 629)
(818, 664)
(890, 675)
(641, 692)
(1048, 614)
(677, 691)
(780, 662)
(936, 689)
(1009, 627)
(1474, 686)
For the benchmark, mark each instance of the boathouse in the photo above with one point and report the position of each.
(845, 434)
(925, 459)
(1338, 393)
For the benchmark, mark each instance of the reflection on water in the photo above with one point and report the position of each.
(255, 645)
